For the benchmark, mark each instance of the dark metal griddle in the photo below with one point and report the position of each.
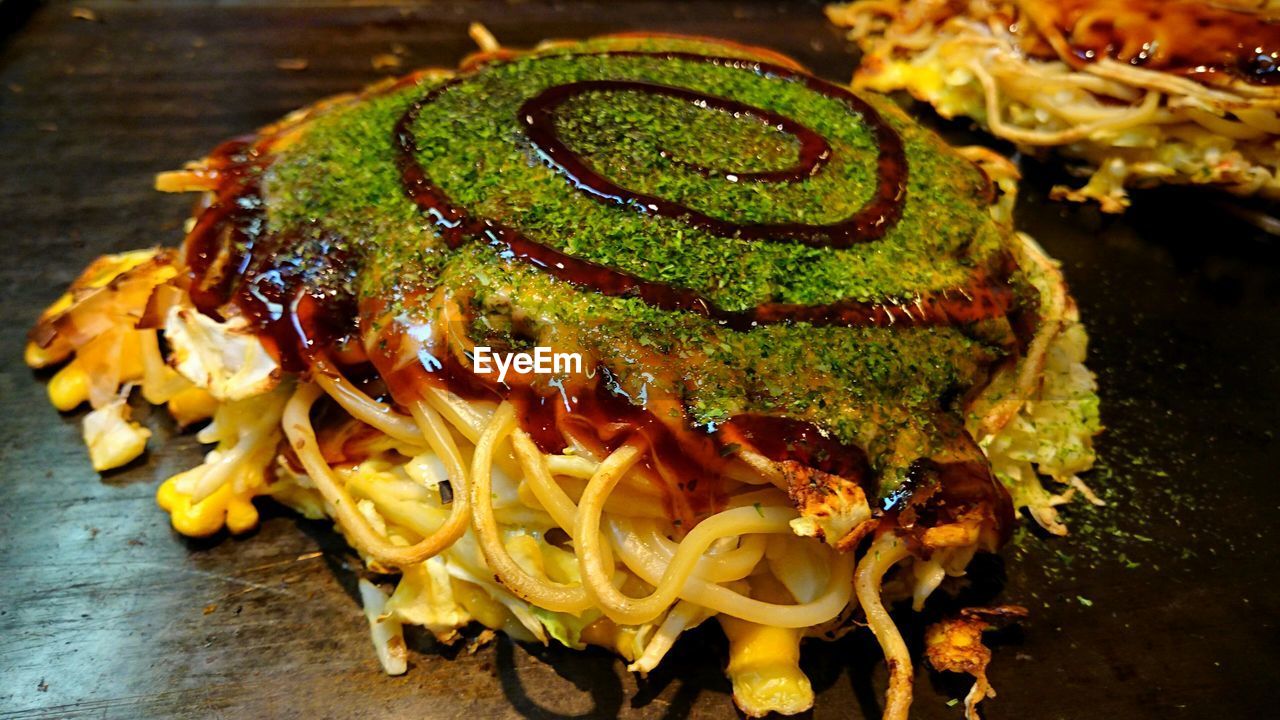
(1163, 605)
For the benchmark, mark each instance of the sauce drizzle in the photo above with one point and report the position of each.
(300, 302)
(981, 298)
(872, 221)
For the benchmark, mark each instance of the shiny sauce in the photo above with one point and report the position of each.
(1195, 38)
(597, 414)
(982, 298)
(295, 289)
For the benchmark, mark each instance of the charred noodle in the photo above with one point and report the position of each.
(328, 294)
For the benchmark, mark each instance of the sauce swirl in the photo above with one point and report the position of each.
(869, 223)
(982, 298)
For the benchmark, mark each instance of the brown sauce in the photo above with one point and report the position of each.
(294, 289)
(538, 115)
(939, 493)
(869, 223)
(596, 413)
(781, 439)
(298, 300)
(934, 493)
(980, 299)
(1188, 37)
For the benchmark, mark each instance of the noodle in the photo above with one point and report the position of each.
(1133, 126)
(634, 611)
(1118, 120)
(652, 568)
(533, 590)
(549, 494)
(362, 407)
(883, 554)
(466, 417)
(683, 616)
(717, 567)
(302, 438)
